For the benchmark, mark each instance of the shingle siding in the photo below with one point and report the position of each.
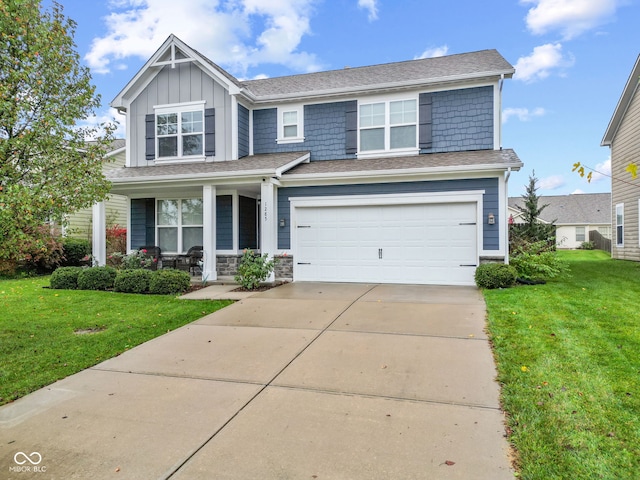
(491, 240)
(462, 120)
(624, 150)
(324, 132)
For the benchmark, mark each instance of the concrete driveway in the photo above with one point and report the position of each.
(304, 381)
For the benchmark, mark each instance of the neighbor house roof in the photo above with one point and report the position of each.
(578, 209)
(623, 104)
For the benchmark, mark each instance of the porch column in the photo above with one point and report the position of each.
(99, 233)
(209, 272)
(268, 220)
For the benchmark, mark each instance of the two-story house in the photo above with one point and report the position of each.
(623, 139)
(388, 173)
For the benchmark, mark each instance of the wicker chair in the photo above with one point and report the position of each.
(192, 261)
(153, 252)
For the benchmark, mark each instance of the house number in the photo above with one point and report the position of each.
(265, 211)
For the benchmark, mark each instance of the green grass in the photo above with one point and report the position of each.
(39, 343)
(568, 356)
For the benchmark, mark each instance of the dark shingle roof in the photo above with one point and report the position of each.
(494, 158)
(266, 164)
(583, 208)
(422, 71)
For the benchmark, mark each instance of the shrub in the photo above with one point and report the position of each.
(42, 251)
(168, 281)
(135, 260)
(587, 245)
(132, 281)
(537, 261)
(75, 250)
(116, 237)
(495, 275)
(96, 278)
(65, 278)
(253, 269)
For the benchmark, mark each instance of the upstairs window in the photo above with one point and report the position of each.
(291, 124)
(389, 125)
(180, 131)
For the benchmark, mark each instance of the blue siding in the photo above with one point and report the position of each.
(491, 238)
(224, 222)
(324, 132)
(143, 222)
(462, 120)
(243, 131)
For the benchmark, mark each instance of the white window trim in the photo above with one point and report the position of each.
(387, 151)
(179, 226)
(281, 139)
(178, 108)
(584, 233)
(619, 241)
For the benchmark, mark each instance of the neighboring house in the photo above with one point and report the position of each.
(573, 215)
(388, 173)
(79, 224)
(623, 139)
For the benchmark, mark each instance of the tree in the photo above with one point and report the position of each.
(47, 168)
(532, 230)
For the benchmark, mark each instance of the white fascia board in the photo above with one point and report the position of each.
(487, 78)
(196, 177)
(629, 91)
(113, 153)
(385, 174)
(293, 163)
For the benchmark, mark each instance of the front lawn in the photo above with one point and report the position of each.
(568, 356)
(46, 335)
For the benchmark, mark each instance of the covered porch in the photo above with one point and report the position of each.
(225, 207)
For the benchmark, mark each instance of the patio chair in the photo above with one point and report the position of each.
(192, 260)
(153, 252)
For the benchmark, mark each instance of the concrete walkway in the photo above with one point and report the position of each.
(304, 381)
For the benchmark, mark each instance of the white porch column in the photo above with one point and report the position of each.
(99, 233)
(209, 272)
(268, 220)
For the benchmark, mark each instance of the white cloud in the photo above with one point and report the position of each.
(577, 191)
(569, 17)
(432, 52)
(371, 6)
(551, 183)
(541, 62)
(602, 171)
(223, 31)
(522, 114)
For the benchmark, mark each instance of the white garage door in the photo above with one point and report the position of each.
(420, 244)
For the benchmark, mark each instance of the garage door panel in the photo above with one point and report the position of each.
(422, 243)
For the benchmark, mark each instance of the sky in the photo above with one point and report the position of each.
(572, 57)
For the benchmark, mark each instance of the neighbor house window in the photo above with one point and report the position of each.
(620, 224)
(179, 131)
(605, 232)
(179, 224)
(291, 124)
(389, 125)
(580, 235)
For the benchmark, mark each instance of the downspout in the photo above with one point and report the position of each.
(500, 83)
(506, 210)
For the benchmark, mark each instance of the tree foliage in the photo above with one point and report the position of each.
(532, 230)
(47, 167)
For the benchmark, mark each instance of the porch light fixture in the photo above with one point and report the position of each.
(491, 219)
(282, 222)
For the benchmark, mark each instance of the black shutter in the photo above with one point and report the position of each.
(143, 222)
(150, 136)
(351, 125)
(210, 132)
(426, 122)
